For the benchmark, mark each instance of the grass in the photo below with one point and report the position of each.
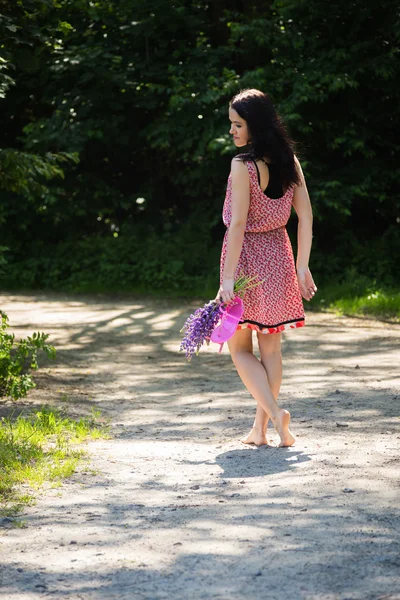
(40, 447)
(378, 304)
(359, 297)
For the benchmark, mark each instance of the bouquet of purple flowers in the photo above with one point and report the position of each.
(200, 325)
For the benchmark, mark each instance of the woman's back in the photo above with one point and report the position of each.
(269, 178)
(265, 213)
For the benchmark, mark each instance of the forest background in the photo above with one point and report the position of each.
(115, 149)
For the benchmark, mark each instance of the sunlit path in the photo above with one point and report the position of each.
(174, 506)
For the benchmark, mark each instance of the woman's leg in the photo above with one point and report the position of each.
(271, 360)
(254, 377)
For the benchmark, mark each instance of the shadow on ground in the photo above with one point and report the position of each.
(178, 507)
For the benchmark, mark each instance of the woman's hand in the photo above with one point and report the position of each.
(306, 283)
(225, 292)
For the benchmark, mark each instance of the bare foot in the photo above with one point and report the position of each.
(256, 437)
(282, 426)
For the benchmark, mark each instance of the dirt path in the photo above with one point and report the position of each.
(177, 508)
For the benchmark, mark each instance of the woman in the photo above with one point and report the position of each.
(263, 185)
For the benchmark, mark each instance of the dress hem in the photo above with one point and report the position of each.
(260, 327)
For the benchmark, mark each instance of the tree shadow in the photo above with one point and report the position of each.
(221, 538)
(124, 354)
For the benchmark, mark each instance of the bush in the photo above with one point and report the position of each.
(15, 359)
(172, 259)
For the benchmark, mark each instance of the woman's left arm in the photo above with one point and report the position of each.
(240, 208)
(302, 206)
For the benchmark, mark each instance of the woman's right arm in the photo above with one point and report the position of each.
(240, 208)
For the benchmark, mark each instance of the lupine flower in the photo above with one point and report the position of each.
(200, 325)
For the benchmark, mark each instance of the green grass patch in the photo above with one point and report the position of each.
(38, 447)
(359, 297)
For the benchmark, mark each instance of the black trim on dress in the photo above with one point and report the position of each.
(272, 326)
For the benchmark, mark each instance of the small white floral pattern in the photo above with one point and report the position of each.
(276, 304)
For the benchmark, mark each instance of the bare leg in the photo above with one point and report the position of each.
(271, 360)
(254, 377)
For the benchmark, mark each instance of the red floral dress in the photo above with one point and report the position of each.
(276, 304)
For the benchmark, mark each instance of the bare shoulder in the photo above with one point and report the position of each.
(239, 168)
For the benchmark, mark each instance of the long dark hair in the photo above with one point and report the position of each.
(268, 134)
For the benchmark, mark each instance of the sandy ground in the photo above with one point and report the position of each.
(174, 506)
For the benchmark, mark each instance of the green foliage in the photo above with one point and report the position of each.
(3, 261)
(359, 295)
(23, 175)
(126, 263)
(15, 358)
(140, 90)
(22, 172)
(377, 303)
(39, 446)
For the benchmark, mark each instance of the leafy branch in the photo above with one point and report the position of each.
(17, 357)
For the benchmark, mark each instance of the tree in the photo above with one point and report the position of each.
(140, 91)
